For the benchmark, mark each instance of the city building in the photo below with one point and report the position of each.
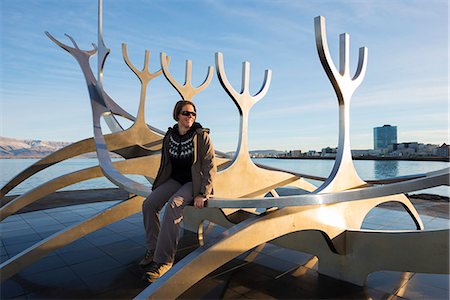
(329, 152)
(384, 136)
(443, 150)
(295, 153)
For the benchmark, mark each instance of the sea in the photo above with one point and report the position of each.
(367, 169)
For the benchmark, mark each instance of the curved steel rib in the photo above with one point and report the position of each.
(264, 228)
(431, 179)
(145, 166)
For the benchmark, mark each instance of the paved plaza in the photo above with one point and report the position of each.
(103, 264)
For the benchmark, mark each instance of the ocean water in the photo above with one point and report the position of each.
(367, 169)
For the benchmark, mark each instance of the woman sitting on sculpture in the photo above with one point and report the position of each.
(185, 177)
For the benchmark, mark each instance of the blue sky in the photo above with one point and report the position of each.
(43, 93)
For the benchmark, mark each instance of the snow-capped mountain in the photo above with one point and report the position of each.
(11, 148)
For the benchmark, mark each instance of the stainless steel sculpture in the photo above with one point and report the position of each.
(324, 221)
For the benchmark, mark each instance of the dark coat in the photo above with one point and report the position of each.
(203, 168)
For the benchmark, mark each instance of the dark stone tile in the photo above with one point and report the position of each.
(44, 264)
(128, 256)
(120, 246)
(16, 232)
(252, 276)
(16, 225)
(42, 222)
(47, 230)
(107, 237)
(136, 219)
(77, 256)
(3, 258)
(140, 239)
(292, 256)
(13, 218)
(435, 280)
(61, 278)
(230, 294)
(330, 288)
(258, 294)
(88, 213)
(34, 215)
(10, 289)
(80, 292)
(207, 289)
(387, 281)
(135, 269)
(112, 279)
(137, 233)
(227, 269)
(123, 225)
(79, 244)
(17, 248)
(274, 263)
(31, 237)
(100, 233)
(69, 218)
(125, 292)
(420, 291)
(95, 266)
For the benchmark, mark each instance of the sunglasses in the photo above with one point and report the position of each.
(188, 113)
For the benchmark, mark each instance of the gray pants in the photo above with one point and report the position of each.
(164, 237)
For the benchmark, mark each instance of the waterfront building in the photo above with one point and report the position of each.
(312, 153)
(443, 150)
(295, 153)
(384, 136)
(329, 152)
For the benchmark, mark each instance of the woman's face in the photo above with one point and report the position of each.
(187, 116)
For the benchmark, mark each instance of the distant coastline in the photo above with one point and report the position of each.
(418, 158)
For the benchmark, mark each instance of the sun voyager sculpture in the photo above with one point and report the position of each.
(324, 221)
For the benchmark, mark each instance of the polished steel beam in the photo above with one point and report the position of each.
(431, 179)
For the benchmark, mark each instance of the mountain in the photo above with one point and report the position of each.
(14, 148)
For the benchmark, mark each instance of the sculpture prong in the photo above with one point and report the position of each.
(265, 86)
(144, 77)
(186, 91)
(69, 49)
(343, 175)
(362, 66)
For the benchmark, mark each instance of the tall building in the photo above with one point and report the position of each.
(384, 136)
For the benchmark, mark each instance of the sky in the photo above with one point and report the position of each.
(44, 96)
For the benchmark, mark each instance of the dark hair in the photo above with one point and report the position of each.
(179, 106)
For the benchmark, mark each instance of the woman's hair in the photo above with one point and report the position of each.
(179, 106)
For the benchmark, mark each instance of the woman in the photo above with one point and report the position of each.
(185, 175)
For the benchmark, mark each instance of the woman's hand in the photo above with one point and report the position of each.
(199, 201)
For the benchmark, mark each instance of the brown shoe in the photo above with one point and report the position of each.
(148, 258)
(157, 270)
